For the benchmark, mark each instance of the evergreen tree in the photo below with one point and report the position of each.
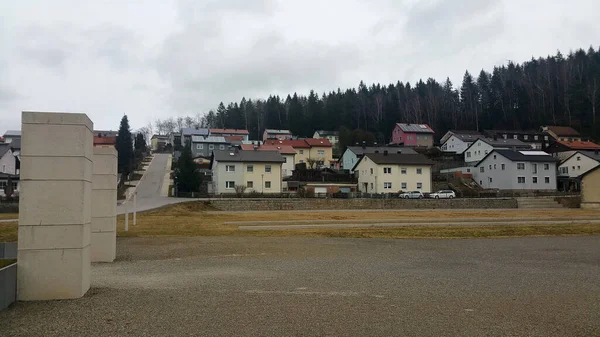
(140, 142)
(124, 148)
(187, 174)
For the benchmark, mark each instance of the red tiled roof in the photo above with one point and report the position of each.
(580, 145)
(232, 131)
(322, 142)
(233, 138)
(105, 140)
(563, 131)
(283, 149)
(295, 143)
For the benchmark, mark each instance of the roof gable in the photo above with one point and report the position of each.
(521, 156)
(318, 142)
(414, 128)
(579, 145)
(359, 150)
(563, 131)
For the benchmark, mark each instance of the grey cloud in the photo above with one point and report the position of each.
(47, 46)
(8, 95)
(119, 47)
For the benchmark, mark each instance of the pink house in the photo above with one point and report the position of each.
(413, 135)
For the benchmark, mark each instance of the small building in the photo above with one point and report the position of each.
(563, 149)
(11, 135)
(516, 170)
(277, 134)
(538, 140)
(106, 133)
(187, 133)
(590, 189)
(308, 149)
(229, 132)
(159, 142)
(484, 146)
(105, 140)
(9, 162)
(332, 136)
(563, 133)
(322, 182)
(413, 135)
(459, 142)
(353, 153)
(203, 147)
(287, 152)
(257, 171)
(573, 167)
(458, 132)
(393, 172)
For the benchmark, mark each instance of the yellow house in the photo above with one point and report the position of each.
(257, 171)
(320, 150)
(158, 142)
(590, 189)
(393, 172)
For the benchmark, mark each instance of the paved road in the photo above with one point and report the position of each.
(149, 188)
(331, 287)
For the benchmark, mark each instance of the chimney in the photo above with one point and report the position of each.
(385, 152)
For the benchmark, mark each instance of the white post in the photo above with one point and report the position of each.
(134, 208)
(127, 220)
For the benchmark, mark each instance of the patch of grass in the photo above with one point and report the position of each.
(9, 231)
(6, 216)
(4, 263)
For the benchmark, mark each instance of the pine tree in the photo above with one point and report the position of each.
(187, 175)
(124, 148)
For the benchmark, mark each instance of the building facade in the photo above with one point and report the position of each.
(536, 139)
(187, 133)
(420, 135)
(277, 134)
(332, 136)
(287, 152)
(257, 171)
(203, 147)
(229, 132)
(353, 153)
(483, 146)
(458, 143)
(563, 133)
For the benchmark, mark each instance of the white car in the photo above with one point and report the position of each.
(412, 195)
(443, 194)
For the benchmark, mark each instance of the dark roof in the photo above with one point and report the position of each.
(12, 133)
(15, 144)
(595, 155)
(506, 142)
(6, 176)
(248, 156)
(563, 131)
(513, 132)
(396, 159)
(359, 150)
(328, 133)
(105, 133)
(194, 132)
(467, 137)
(415, 128)
(519, 156)
(3, 149)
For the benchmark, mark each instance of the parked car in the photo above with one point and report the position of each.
(443, 194)
(412, 195)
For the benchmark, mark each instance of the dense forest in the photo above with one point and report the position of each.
(555, 90)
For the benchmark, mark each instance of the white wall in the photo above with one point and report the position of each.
(507, 178)
(577, 165)
(455, 145)
(8, 163)
(477, 152)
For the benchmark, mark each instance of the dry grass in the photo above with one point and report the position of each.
(192, 219)
(5, 216)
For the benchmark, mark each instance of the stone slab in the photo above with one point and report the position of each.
(55, 168)
(55, 236)
(65, 118)
(57, 141)
(104, 182)
(53, 274)
(104, 246)
(104, 203)
(104, 224)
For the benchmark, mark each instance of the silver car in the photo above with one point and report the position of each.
(443, 194)
(412, 195)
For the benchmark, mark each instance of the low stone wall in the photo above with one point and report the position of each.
(9, 208)
(569, 202)
(315, 204)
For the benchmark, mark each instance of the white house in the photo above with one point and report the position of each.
(332, 136)
(483, 146)
(353, 153)
(8, 160)
(10, 135)
(393, 172)
(517, 170)
(458, 143)
(578, 163)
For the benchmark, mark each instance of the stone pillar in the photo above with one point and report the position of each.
(55, 208)
(104, 204)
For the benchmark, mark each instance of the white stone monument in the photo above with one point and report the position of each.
(104, 204)
(55, 212)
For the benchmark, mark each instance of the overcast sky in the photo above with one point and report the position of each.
(153, 59)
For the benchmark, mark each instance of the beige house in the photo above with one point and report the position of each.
(257, 171)
(590, 189)
(288, 153)
(393, 172)
(308, 149)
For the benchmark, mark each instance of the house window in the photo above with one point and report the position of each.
(515, 137)
(387, 170)
(387, 185)
(520, 166)
(199, 146)
(285, 159)
(535, 137)
(545, 137)
(250, 184)
(250, 168)
(482, 169)
(371, 170)
(321, 152)
(468, 170)
(267, 168)
(403, 170)
(301, 151)
(419, 186)
(494, 156)
(547, 180)
(526, 137)
(229, 168)
(494, 166)
(534, 168)
(546, 167)
(521, 180)
(230, 185)
(211, 147)
(486, 151)
(490, 166)
(221, 147)
(534, 180)
(3, 168)
(267, 184)
(403, 186)
(469, 154)
(478, 144)
(490, 179)
(502, 166)
(505, 136)
(419, 171)
(578, 158)
(578, 167)
(371, 185)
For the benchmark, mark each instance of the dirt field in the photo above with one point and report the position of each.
(196, 219)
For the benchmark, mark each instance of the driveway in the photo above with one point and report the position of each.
(149, 188)
(218, 286)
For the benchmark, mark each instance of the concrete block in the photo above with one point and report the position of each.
(104, 224)
(104, 182)
(55, 237)
(104, 203)
(105, 163)
(62, 118)
(55, 168)
(56, 141)
(55, 202)
(104, 246)
(52, 274)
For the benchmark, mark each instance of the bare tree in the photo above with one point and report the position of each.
(239, 190)
(188, 121)
(311, 162)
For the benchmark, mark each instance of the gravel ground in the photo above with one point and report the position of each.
(212, 286)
